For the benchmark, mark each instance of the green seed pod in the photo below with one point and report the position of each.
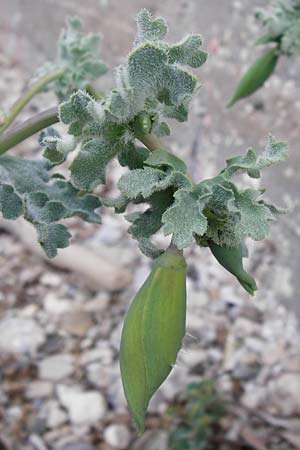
(142, 124)
(232, 259)
(268, 38)
(256, 75)
(153, 331)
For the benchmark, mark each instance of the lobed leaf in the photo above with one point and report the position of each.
(185, 218)
(150, 29)
(282, 21)
(27, 189)
(188, 52)
(78, 57)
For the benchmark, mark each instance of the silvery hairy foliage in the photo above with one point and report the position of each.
(154, 84)
(78, 58)
(282, 20)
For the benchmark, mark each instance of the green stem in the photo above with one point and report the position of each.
(37, 87)
(151, 142)
(33, 125)
(26, 129)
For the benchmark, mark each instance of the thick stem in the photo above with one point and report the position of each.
(33, 125)
(19, 105)
(26, 129)
(151, 142)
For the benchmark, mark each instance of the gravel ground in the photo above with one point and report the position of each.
(60, 383)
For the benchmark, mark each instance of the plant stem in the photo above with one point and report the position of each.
(26, 129)
(151, 142)
(37, 87)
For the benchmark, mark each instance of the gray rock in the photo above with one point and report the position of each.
(192, 357)
(117, 435)
(77, 323)
(37, 442)
(57, 306)
(254, 396)
(20, 335)
(110, 232)
(78, 446)
(115, 336)
(197, 300)
(54, 415)
(56, 367)
(39, 389)
(98, 303)
(102, 353)
(51, 279)
(284, 394)
(83, 407)
(99, 375)
(152, 440)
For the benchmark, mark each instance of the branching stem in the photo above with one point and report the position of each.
(151, 142)
(31, 92)
(47, 118)
(26, 129)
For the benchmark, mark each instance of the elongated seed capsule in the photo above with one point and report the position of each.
(231, 258)
(256, 75)
(267, 39)
(142, 124)
(153, 331)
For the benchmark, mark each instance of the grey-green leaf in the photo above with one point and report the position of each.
(185, 218)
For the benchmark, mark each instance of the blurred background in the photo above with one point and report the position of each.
(60, 322)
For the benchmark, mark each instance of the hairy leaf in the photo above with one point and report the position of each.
(150, 29)
(78, 57)
(147, 223)
(148, 180)
(88, 169)
(274, 152)
(27, 189)
(163, 158)
(188, 52)
(283, 19)
(185, 218)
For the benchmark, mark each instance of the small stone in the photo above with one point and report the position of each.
(77, 323)
(77, 446)
(39, 389)
(152, 440)
(35, 425)
(244, 327)
(115, 336)
(51, 279)
(20, 335)
(57, 306)
(254, 396)
(284, 394)
(192, 357)
(83, 407)
(53, 414)
(118, 436)
(56, 367)
(98, 375)
(110, 232)
(37, 442)
(98, 303)
(197, 300)
(101, 353)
